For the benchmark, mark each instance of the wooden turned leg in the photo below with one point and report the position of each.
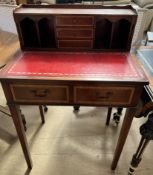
(76, 108)
(108, 116)
(42, 114)
(130, 112)
(16, 116)
(146, 130)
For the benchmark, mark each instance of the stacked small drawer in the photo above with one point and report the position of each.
(74, 31)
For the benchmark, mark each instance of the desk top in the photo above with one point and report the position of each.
(76, 11)
(74, 65)
(80, 9)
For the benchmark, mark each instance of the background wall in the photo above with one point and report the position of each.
(7, 2)
(6, 18)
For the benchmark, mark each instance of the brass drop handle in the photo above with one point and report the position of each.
(106, 96)
(40, 92)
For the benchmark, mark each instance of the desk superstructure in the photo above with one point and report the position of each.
(83, 76)
(75, 27)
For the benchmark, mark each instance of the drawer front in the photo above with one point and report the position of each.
(74, 20)
(40, 93)
(74, 33)
(75, 44)
(103, 95)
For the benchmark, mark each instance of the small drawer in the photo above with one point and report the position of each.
(63, 33)
(40, 93)
(103, 95)
(74, 20)
(75, 44)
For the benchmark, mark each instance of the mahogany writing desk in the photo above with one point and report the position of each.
(73, 78)
(82, 77)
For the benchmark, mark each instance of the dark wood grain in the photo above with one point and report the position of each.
(108, 28)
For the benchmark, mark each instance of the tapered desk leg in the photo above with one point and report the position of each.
(108, 116)
(42, 114)
(130, 112)
(16, 115)
(23, 121)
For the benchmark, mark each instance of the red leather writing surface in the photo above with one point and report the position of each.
(74, 64)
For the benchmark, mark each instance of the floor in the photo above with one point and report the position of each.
(69, 143)
(9, 44)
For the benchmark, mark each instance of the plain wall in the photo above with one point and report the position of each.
(6, 18)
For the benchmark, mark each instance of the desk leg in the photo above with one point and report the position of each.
(130, 112)
(16, 115)
(42, 114)
(108, 116)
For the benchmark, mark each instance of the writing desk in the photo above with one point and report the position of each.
(73, 78)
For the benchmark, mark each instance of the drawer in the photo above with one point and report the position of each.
(40, 93)
(75, 44)
(70, 33)
(74, 20)
(103, 95)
